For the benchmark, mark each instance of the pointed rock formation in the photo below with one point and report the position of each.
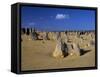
(58, 52)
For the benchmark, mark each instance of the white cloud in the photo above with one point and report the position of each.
(62, 16)
(31, 23)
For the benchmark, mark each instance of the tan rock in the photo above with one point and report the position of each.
(58, 52)
(52, 36)
(73, 49)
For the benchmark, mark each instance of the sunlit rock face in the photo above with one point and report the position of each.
(52, 36)
(63, 37)
(73, 49)
(58, 51)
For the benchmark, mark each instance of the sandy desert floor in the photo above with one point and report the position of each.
(37, 55)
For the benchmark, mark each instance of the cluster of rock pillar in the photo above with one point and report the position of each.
(68, 42)
(65, 48)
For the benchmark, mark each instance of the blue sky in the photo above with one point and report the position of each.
(57, 19)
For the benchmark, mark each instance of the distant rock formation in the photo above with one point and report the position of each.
(52, 35)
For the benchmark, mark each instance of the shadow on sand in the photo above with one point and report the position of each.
(83, 52)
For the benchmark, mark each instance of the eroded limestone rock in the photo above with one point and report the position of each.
(58, 52)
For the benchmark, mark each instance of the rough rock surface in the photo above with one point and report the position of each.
(58, 52)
